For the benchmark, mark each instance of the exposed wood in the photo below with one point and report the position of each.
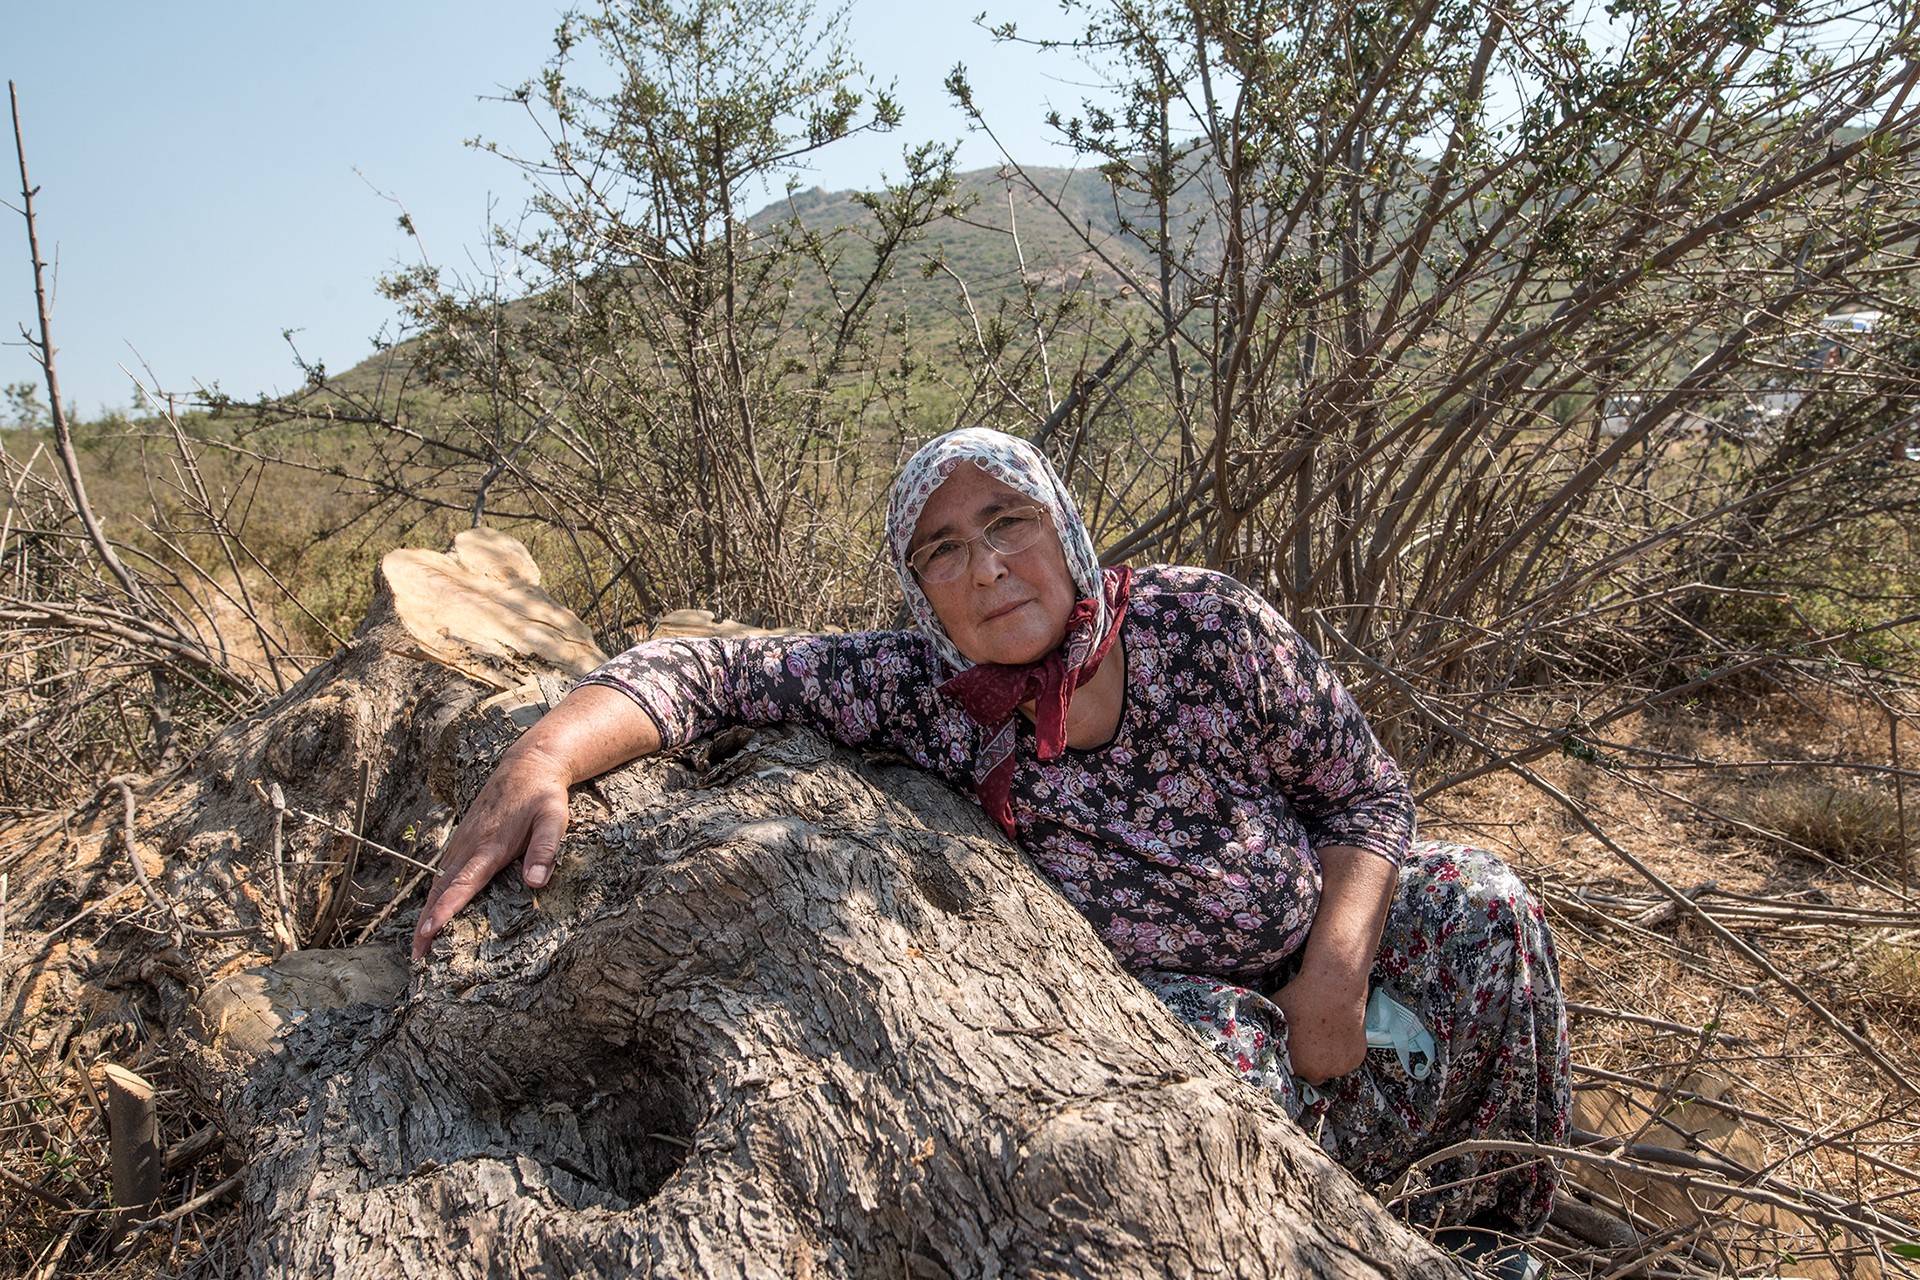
(134, 1142)
(479, 609)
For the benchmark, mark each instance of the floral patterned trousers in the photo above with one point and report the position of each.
(1465, 948)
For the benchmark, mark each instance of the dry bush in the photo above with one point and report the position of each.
(1891, 979)
(89, 689)
(1493, 346)
(1848, 823)
(103, 677)
(122, 653)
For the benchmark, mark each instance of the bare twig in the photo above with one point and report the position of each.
(307, 815)
(340, 886)
(1857, 1218)
(44, 352)
(53, 1198)
(178, 928)
(1912, 1176)
(406, 892)
(199, 1202)
(1905, 853)
(48, 1263)
(1579, 814)
(1658, 1024)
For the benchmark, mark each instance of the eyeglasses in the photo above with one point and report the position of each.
(1009, 533)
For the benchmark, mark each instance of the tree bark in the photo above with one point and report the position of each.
(784, 1011)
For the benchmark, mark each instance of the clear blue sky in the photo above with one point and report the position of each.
(197, 164)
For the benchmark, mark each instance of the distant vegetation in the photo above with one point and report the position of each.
(1459, 333)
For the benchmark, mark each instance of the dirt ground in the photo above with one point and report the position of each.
(1796, 1012)
(1748, 1055)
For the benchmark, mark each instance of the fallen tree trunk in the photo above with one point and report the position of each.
(783, 1012)
(812, 1020)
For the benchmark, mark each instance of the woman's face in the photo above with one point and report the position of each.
(1008, 609)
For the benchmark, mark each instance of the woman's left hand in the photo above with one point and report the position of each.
(1326, 1024)
(1326, 1003)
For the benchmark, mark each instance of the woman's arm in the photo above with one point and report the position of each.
(1326, 1002)
(860, 688)
(522, 809)
(1319, 749)
(1358, 812)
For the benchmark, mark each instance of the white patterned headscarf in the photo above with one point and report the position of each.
(1019, 466)
(990, 693)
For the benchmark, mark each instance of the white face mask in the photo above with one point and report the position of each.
(1391, 1025)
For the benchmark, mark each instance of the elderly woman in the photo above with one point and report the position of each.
(1187, 771)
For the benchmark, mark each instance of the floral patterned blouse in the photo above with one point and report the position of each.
(1187, 840)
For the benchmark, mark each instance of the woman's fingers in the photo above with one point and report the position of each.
(521, 810)
(543, 846)
(462, 875)
(462, 881)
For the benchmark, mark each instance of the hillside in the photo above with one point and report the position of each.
(1004, 235)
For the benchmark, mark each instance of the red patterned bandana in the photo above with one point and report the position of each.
(991, 694)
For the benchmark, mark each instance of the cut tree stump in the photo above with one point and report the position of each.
(133, 1139)
(782, 1012)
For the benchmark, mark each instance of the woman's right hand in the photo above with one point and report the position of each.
(521, 812)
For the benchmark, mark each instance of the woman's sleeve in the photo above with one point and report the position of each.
(862, 689)
(1325, 758)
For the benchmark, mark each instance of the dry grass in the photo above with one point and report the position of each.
(1761, 1035)
(1847, 822)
